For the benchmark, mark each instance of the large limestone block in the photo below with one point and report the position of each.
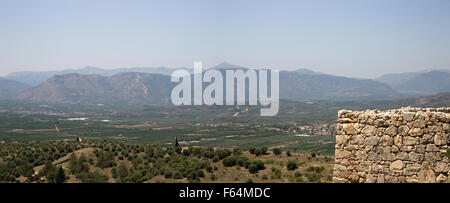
(396, 165)
(427, 176)
(369, 130)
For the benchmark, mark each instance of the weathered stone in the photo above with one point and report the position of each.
(425, 139)
(413, 167)
(402, 156)
(415, 132)
(371, 178)
(415, 157)
(408, 116)
(380, 178)
(430, 156)
(354, 178)
(419, 123)
(435, 129)
(412, 179)
(441, 168)
(372, 140)
(440, 139)
(369, 131)
(396, 165)
(342, 139)
(410, 141)
(403, 145)
(427, 176)
(339, 180)
(349, 129)
(441, 178)
(391, 130)
(398, 141)
(340, 154)
(386, 140)
(431, 148)
(406, 148)
(338, 167)
(387, 156)
(403, 130)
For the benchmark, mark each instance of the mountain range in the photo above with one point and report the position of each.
(152, 85)
(35, 78)
(10, 88)
(129, 88)
(425, 82)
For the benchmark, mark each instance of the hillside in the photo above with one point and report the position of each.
(129, 88)
(429, 82)
(10, 88)
(36, 78)
(99, 162)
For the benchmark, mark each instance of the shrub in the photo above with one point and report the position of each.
(255, 166)
(177, 175)
(168, 173)
(291, 165)
(288, 153)
(317, 169)
(229, 161)
(276, 151)
(114, 172)
(313, 177)
(213, 177)
(240, 161)
(276, 173)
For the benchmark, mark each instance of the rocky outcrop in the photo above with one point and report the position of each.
(403, 145)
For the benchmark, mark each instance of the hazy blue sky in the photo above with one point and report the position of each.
(358, 38)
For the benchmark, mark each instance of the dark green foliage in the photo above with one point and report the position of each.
(122, 171)
(60, 176)
(291, 165)
(49, 171)
(258, 151)
(229, 161)
(275, 173)
(177, 175)
(276, 151)
(26, 170)
(114, 172)
(78, 165)
(94, 177)
(241, 161)
(313, 177)
(254, 166)
(316, 169)
(213, 177)
(168, 173)
(105, 159)
(222, 153)
(288, 153)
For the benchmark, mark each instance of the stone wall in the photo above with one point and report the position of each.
(402, 145)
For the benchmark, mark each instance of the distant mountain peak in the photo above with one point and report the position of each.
(228, 66)
(306, 71)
